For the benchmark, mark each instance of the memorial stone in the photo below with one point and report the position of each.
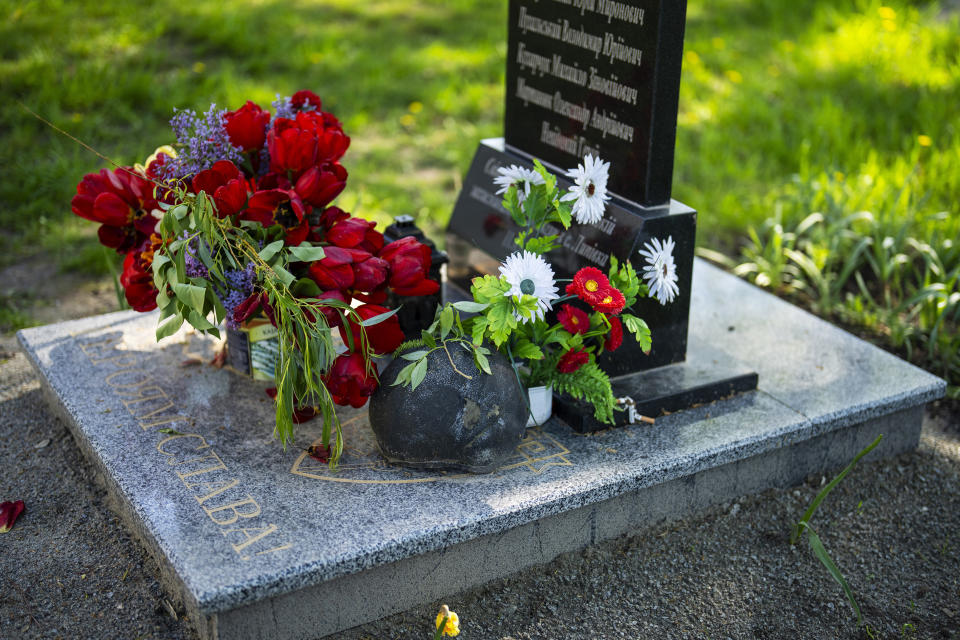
(597, 77)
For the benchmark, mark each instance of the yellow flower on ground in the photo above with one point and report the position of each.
(452, 627)
(924, 141)
(734, 76)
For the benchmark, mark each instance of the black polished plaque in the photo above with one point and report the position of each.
(599, 77)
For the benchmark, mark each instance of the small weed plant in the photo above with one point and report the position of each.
(816, 545)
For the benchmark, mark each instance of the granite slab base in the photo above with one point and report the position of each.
(261, 542)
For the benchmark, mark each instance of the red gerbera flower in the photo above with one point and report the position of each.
(572, 360)
(615, 337)
(573, 320)
(612, 302)
(590, 285)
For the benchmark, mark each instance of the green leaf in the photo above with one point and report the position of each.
(428, 339)
(640, 331)
(267, 253)
(446, 321)
(414, 355)
(285, 276)
(482, 362)
(419, 373)
(542, 245)
(307, 253)
(816, 545)
(377, 319)
(305, 288)
(190, 295)
(170, 327)
(527, 350)
(199, 321)
(404, 376)
(830, 486)
(180, 211)
(478, 326)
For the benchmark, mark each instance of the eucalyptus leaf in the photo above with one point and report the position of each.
(307, 253)
(377, 319)
(414, 355)
(267, 253)
(285, 276)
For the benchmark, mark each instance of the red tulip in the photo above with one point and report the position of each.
(348, 381)
(409, 265)
(320, 185)
(122, 201)
(303, 98)
(383, 337)
(247, 126)
(356, 232)
(137, 281)
(225, 183)
(335, 271)
(370, 274)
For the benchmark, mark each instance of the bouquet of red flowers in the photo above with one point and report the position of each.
(235, 219)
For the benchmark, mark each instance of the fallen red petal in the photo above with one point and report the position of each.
(9, 512)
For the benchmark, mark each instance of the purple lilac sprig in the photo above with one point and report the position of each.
(237, 288)
(283, 108)
(201, 141)
(194, 266)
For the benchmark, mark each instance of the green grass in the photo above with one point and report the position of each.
(786, 108)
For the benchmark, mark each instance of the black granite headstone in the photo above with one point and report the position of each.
(600, 77)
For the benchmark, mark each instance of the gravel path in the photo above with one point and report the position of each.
(69, 569)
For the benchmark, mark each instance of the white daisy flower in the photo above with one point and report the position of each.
(520, 176)
(660, 271)
(589, 190)
(529, 274)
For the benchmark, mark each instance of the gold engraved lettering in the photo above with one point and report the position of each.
(169, 405)
(233, 506)
(211, 456)
(177, 436)
(160, 421)
(122, 361)
(97, 345)
(140, 383)
(248, 538)
(134, 393)
(220, 488)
